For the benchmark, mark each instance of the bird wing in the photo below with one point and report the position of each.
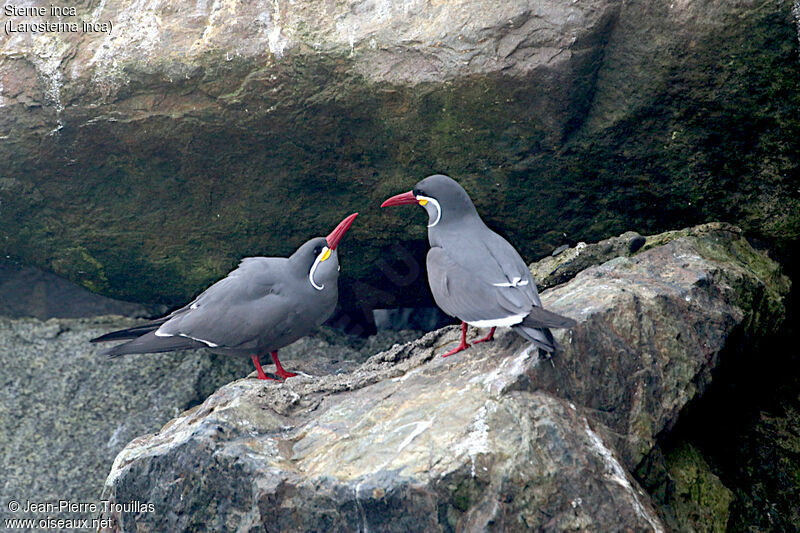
(511, 267)
(468, 295)
(519, 278)
(236, 310)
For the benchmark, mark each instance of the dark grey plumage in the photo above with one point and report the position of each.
(474, 273)
(261, 306)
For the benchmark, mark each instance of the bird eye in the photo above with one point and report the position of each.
(419, 192)
(317, 250)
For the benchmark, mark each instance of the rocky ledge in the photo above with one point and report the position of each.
(65, 412)
(494, 438)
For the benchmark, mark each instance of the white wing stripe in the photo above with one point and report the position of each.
(495, 322)
(515, 283)
(159, 333)
(207, 343)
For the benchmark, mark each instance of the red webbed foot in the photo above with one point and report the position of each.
(261, 374)
(464, 344)
(487, 338)
(283, 374)
(461, 347)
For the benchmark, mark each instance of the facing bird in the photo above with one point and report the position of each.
(474, 273)
(263, 305)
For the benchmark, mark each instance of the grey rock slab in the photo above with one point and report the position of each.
(565, 262)
(653, 326)
(447, 445)
(409, 43)
(27, 291)
(65, 412)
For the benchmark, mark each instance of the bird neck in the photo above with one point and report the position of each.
(447, 229)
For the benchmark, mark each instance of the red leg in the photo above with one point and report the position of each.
(280, 372)
(261, 374)
(464, 344)
(487, 338)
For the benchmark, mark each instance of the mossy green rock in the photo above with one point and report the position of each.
(145, 163)
(700, 501)
(767, 480)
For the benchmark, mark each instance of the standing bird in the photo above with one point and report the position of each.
(265, 304)
(474, 273)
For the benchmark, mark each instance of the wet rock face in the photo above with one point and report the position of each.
(193, 135)
(490, 439)
(146, 162)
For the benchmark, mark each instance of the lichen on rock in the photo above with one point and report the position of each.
(700, 501)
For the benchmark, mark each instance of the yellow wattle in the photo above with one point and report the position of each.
(326, 255)
(423, 202)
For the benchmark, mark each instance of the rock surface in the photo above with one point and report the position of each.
(648, 382)
(30, 292)
(699, 500)
(145, 162)
(564, 266)
(491, 439)
(742, 431)
(65, 413)
(767, 480)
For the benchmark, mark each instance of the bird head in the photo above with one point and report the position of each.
(321, 256)
(441, 196)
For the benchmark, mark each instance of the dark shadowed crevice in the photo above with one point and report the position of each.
(743, 431)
